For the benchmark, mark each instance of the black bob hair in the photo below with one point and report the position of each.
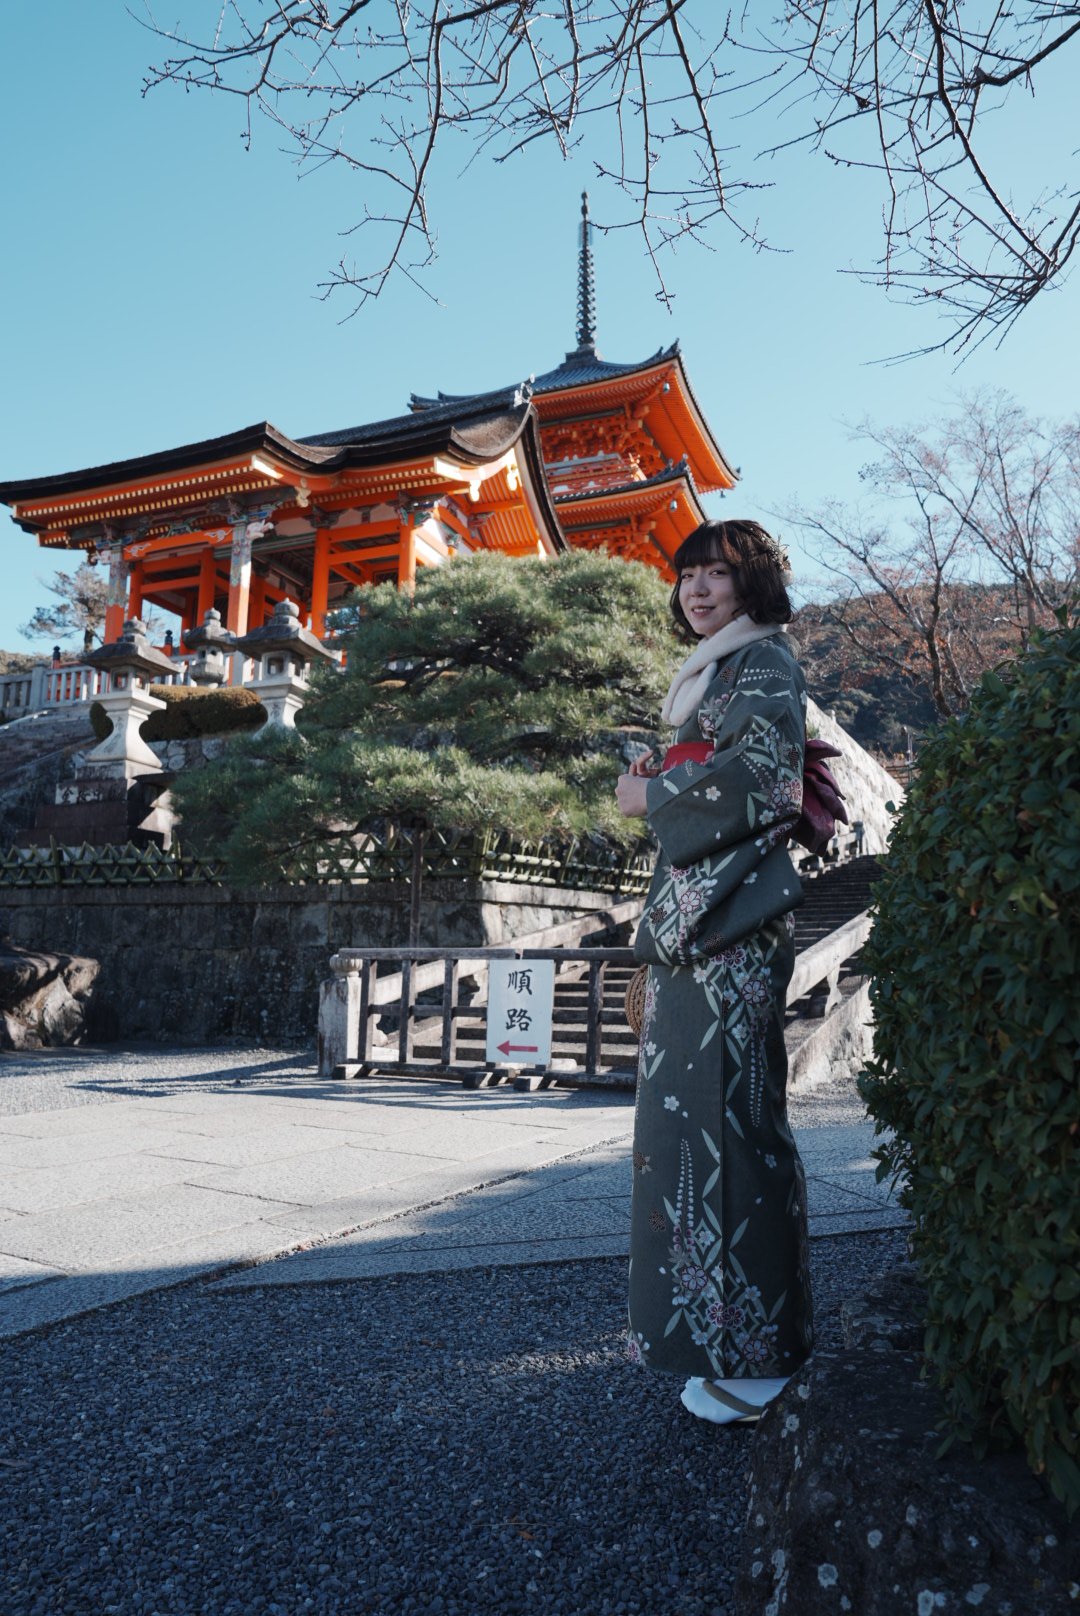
(758, 569)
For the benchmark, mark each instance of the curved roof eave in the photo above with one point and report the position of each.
(472, 437)
(446, 408)
(701, 423)
(260, 437)
(539, 491)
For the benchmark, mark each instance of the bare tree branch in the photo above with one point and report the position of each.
(904, 88)
(985, 551)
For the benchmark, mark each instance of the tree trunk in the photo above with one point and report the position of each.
(416, 881)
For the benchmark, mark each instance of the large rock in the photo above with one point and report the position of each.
(44, 998)
(866, 786)
(851, 1509)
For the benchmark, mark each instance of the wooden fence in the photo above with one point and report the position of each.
(582, 865)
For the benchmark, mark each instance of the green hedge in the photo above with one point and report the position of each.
(191, 712)
(976, 962)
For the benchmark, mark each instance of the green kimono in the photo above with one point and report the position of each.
(719, 1281)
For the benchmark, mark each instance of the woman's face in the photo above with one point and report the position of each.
(707, 596)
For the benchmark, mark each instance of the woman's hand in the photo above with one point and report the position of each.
(630, 793)
(644, 765)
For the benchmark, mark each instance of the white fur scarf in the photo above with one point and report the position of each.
(699, 670)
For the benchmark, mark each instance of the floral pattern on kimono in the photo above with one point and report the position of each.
(719, 1276)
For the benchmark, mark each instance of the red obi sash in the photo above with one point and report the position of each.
(687, 752)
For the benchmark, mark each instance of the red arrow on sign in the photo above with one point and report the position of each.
(518, 1049)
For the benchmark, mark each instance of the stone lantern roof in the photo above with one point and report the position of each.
(284, 632)
(210, 635)
(131, 650)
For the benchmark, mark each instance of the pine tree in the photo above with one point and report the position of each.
(82, 597)
(504, 694)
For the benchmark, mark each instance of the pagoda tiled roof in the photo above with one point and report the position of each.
(585, 365)
(579, 369)
(467, 412)
(677, 471)
(248, 440)
(476, 429)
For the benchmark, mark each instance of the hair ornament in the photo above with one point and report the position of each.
(778, 550)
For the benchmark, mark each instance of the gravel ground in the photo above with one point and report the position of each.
(450, 1444)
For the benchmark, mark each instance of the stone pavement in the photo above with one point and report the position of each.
(126, 1171)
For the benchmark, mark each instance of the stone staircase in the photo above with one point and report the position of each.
(835, 896)
(31, 740)
(34, 756)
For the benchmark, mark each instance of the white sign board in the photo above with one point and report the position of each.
(520, 997)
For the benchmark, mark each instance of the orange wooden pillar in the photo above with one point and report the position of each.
(320, 582)
(406, 567)
(207, 584)
(116, 600)
(239, 580)
(257, 601)
(135, 590)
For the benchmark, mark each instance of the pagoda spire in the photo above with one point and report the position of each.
(586, 296)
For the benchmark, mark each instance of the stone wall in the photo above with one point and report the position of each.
(194, 964)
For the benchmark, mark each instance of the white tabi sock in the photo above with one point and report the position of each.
(725, 1402)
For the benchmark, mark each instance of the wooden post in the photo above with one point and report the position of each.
(406, 554)
(320, 582)
(408, 1000)
(207, 584)
(593, 1035)
(416, 879)
(257, 600)
(367, 1030)
(135, 590)
(239, 580)
(116, 609)
(448, 1046)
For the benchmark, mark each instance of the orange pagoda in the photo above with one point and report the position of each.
(592, 454)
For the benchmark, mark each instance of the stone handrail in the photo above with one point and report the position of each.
(48, 686)
(819, 965)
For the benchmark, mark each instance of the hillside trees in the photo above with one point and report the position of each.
(970, 541)
(655, 93)
(503, 695)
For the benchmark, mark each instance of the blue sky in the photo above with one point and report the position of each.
(159, 286)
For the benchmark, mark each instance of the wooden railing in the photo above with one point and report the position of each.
(357, 998)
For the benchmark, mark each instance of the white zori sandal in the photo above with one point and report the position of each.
(720, 1403)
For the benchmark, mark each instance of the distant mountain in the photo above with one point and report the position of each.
(871, 670)
(16, 661)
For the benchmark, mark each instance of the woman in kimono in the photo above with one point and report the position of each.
(719, 1284)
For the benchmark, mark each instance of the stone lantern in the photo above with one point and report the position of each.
(130, 661)
(119, 790)
(283, 652)
(212, 646)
